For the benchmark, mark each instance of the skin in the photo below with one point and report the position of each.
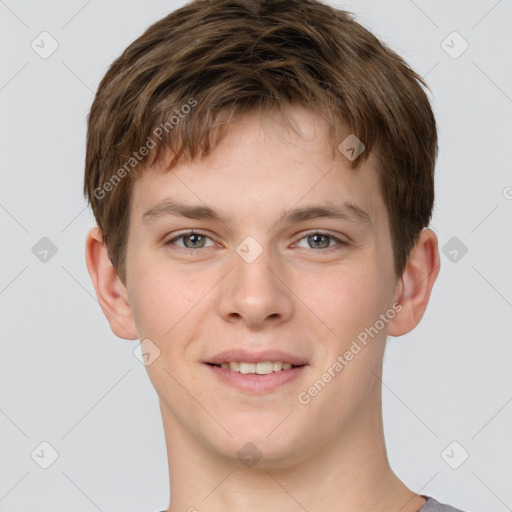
(328, 454)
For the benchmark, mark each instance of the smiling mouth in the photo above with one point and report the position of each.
(261, 368)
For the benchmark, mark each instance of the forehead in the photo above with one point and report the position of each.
(262, 167)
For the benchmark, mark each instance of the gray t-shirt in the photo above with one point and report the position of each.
(431, 505)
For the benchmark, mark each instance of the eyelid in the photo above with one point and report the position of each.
(340, 241)
(188, 232)
(334, 236)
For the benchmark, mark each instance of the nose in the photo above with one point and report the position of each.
(255, 291)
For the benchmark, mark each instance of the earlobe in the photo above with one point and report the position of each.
(415, 286)
(112, 294)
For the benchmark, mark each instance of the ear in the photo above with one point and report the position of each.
(112, 294)
(415, 284)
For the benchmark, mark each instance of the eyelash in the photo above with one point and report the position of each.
(327, 234)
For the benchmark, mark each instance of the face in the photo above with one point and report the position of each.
(267, 276)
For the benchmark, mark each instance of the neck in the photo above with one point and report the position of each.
(351, 474)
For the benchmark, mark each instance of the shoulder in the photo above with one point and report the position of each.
(433, 505)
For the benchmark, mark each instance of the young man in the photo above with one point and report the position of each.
(261, 173)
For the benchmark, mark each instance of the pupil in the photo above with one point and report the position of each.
(193, 237)
(316, 237)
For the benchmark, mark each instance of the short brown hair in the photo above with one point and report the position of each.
(212, 61)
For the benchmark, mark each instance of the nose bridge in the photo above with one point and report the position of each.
(253, 289)
(253, 263)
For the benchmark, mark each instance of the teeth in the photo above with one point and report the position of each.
(247, 368)
(262, 368)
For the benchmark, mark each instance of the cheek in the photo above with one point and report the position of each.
(156, 304)
(345, 300)
(167, 305)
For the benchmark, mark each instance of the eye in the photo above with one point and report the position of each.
(191, 240)
(321, 240)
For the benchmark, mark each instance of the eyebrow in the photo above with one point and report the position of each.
(341, 210)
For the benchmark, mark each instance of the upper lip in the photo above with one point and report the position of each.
(239, 355)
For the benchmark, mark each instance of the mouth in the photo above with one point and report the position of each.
(246, 379)
(259, 368)
(256, 372)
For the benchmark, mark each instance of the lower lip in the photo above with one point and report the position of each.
(257, 383)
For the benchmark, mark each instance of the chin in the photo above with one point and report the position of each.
(262, 444)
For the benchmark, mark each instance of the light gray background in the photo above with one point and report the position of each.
(67, 380)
